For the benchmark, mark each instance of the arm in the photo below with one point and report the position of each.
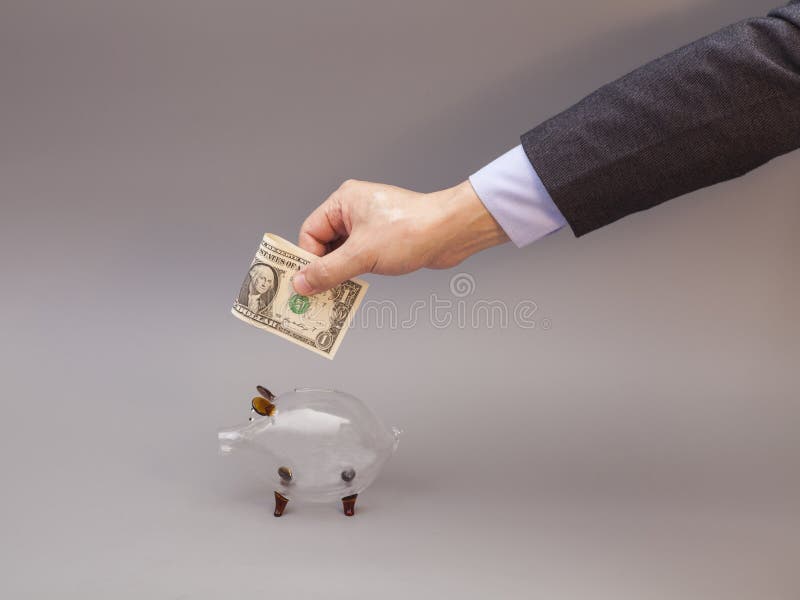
(707, 112)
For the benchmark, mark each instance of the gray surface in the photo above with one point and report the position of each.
(645, 446)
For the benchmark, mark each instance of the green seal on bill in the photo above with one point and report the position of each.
(299, 304)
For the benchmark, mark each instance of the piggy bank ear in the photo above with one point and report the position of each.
(263, 406)
(265, 392)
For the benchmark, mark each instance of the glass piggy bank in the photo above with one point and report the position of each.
(313, 445)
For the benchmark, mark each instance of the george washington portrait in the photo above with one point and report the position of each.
(259, 289)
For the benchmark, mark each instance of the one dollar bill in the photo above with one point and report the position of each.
(267, 299)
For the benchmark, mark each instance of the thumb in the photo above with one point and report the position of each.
(328, 271)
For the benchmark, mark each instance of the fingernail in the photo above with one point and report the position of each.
(300, 284)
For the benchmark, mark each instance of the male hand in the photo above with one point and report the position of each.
(374, 228)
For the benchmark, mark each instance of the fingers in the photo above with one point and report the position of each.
(323, 226)
(328, 271)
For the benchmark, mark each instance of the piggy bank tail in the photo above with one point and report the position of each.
(396, 433)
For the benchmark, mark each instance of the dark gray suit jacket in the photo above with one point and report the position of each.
(707, 112)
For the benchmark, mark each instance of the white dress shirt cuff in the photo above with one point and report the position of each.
(512, 192)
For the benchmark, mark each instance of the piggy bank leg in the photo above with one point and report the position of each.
(349, 503)
(280, 503)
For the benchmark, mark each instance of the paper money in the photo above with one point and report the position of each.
(267, 299)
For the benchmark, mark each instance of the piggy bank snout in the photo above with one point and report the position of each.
(231, 438)
(228, 440)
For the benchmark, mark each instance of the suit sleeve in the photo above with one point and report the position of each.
(705, 113)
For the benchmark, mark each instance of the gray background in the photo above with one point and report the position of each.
(644, 446)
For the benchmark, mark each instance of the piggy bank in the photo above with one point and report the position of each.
(313, 444)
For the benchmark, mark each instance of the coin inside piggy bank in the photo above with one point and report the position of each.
(313, 444)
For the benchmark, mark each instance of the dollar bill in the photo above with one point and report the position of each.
(268, 301)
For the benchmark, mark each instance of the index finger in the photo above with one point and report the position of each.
(324, 225)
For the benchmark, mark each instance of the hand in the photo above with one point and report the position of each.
(374, 228)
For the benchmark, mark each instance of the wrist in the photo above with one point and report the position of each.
(467, 226)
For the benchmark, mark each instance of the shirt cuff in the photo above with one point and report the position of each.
(512, 192)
